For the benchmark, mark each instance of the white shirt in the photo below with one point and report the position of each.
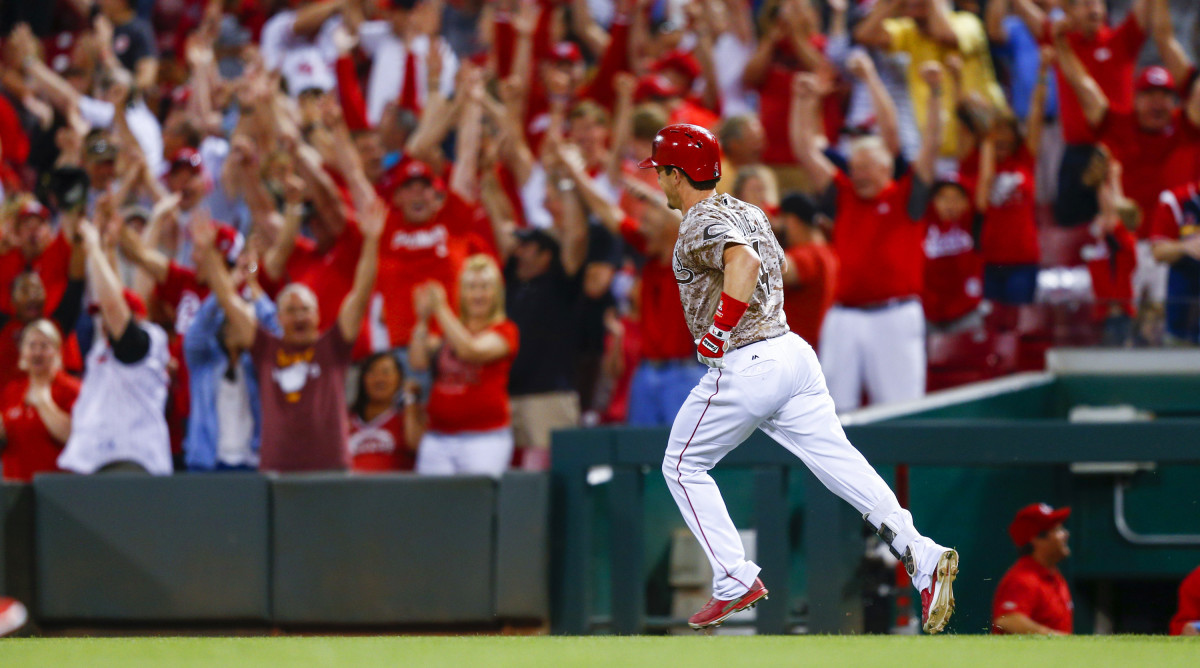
(730, 56)
(305, 63)
(119, 415)
(141, 121)
(235, 422)
(388, 55)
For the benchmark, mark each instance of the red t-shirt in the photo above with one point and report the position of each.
(805, 304)
(435, 250)
(31, 449)
(184, 293)
(1149, 159)
(1110, 58)
(775, 104)
(14, 145)
(303, 393)
(953, 270)
(379, 445)
(1175, 216)
(1111, 260)
(51, 266)
(1189, 603)
(663, 323)
(472, 397)
(879, 247)
(1009, 234)
(1037, 592)
(631, 355)
(328, 273)
(694, 114)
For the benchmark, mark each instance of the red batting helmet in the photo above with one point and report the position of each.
(690, 148)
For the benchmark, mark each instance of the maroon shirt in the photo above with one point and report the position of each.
(303, 392)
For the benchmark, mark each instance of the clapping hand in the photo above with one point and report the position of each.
(372, 219)
(204, 232)
(932, 75)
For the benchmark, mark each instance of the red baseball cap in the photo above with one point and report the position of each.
(1033, 520)
(405, 172)
(33, 207)
(680, 61)
(655, 86)
(187, 157)
(1154, 78)
(566, 51)
(229, 242)
(688, 147)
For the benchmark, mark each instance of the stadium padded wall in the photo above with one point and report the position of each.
(301, 550)
(16, 542)
(523, 546)
(367, 551)
(145, 549)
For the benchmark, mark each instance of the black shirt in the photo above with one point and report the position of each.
(544, 311)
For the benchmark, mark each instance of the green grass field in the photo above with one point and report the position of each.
(658, 652)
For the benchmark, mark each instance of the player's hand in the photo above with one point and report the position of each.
(711, 348)
(38, 394)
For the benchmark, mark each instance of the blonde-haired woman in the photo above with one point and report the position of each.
(469, 421)
(35, 410)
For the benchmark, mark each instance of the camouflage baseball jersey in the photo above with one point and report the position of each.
(699, 264)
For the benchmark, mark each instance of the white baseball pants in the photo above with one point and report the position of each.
(884, 348)
(776, 386)
(466, 453)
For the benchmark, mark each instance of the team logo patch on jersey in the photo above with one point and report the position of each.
(293, 372)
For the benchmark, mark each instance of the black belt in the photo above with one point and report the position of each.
(664, 363)
(880, 306)
(750, 343)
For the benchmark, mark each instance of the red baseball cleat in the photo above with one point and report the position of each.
(937, 602)
(716, 611)
(13, 615)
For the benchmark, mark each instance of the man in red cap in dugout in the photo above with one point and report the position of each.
(1032, 596)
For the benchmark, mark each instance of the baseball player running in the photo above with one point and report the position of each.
(761, 376)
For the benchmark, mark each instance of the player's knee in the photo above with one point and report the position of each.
(669, 467)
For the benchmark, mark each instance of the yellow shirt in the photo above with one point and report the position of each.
(978, 76)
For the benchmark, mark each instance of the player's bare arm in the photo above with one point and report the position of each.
(741, 271)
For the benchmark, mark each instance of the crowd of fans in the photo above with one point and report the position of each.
(393, 234)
